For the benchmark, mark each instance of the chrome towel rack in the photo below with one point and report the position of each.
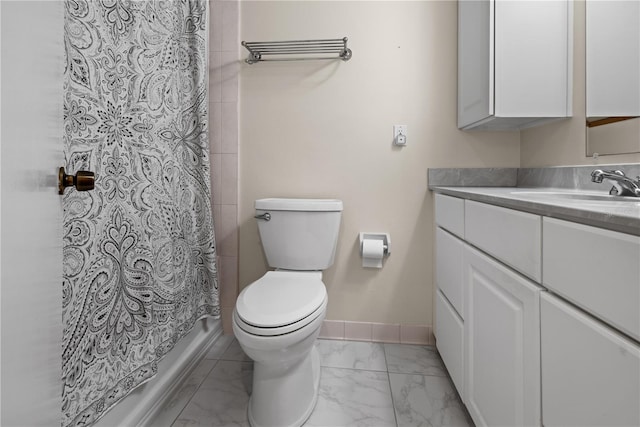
(304, 49)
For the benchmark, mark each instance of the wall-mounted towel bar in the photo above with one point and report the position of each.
(304, 49)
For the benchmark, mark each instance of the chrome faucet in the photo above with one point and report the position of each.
(622, 184)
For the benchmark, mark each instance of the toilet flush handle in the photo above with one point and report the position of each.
(266, 216)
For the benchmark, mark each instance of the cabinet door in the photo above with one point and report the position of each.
(514, 63)
(590, 373)
(531, 58)
(502, 337)
(613, 58)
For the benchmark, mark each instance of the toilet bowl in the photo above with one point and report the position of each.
(276, 321)
(277, 318)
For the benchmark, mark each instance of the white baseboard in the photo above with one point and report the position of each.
(142, 405)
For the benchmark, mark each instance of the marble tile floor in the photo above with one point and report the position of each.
(361, 384)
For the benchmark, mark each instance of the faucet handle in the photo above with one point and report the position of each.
(617, 172)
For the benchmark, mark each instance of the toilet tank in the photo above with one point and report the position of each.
(301, 234)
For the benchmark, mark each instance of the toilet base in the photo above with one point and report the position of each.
(284, 396)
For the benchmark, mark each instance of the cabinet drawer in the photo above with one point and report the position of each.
(590, 374)
(449, 334)
(449, 268)
(511, 236)
(596, 269)
(450, 214)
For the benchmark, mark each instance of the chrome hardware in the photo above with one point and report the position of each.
(82, 180)
(622, 185)
(266, 216)
(302, 49)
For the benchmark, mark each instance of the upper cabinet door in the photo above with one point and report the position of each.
(613, 58)
(514, 63)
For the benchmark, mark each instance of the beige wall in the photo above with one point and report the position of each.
(563, 142)
(324, 129)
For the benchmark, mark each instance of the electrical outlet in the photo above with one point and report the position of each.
(400, 134)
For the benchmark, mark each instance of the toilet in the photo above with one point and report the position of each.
(278, 317)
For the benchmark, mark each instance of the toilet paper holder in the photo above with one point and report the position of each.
(385, 237)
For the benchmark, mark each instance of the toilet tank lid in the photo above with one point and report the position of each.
(276, 204)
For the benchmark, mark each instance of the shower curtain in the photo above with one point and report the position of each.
(139, 250)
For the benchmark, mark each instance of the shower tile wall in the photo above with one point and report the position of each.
(223, 128)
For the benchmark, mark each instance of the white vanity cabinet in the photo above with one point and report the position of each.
(549, 312)
(487, 314)
(514, 63)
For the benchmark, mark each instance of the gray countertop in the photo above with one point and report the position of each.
(623, 216)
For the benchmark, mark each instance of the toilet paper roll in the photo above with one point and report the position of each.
(372, 253)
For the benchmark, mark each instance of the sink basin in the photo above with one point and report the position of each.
(575, 196)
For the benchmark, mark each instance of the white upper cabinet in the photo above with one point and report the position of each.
(514, 63)
(613, 58)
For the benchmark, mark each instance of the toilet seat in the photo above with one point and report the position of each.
(281, 302)
(282, 330)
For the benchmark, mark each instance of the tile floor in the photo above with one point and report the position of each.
(361, 384)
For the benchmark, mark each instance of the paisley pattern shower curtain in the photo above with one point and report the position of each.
(139, 250)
